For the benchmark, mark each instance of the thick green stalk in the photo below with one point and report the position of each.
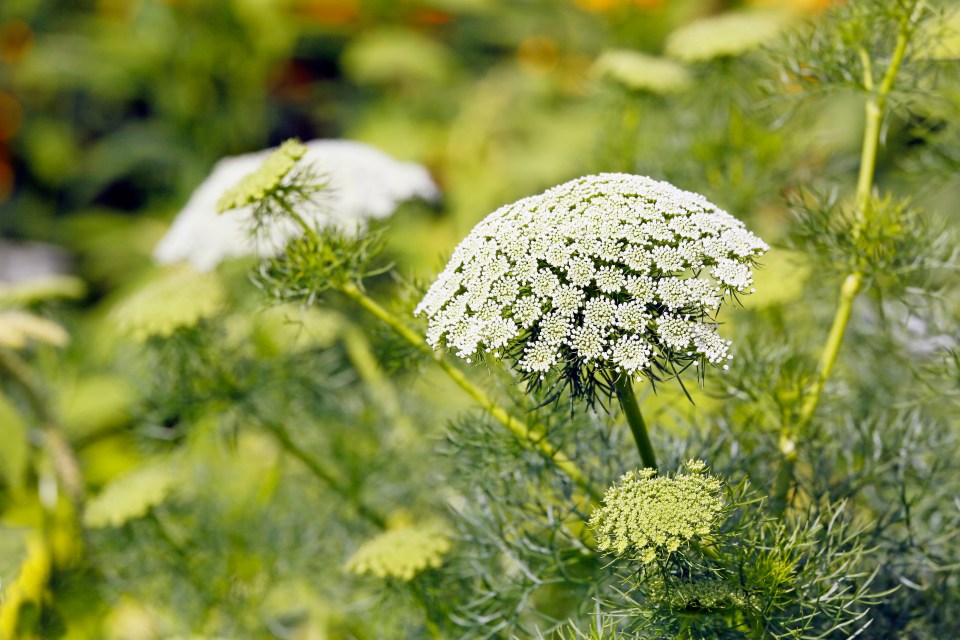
(282, 436)
(792, 431)
(523, 431)
(631, 410)
(876, 105)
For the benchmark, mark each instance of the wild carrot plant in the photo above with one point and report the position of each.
(716, 402)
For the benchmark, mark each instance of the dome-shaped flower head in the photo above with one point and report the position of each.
(599, 277)
(645, 516)
(359, 182)
(401, 553)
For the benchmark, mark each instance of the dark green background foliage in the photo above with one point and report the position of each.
(231, 468)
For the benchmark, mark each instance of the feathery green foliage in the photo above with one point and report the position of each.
(299, 456)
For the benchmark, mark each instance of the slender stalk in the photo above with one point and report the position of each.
(524, 432)
(876, 109)
(307, 229)
(876, 105)
(65, 463)
(852, 285)
(520, 429)
(791, 432)
(631, 410)
(282, 436)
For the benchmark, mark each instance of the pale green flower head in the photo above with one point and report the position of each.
(179, 297)
(641, 72)
(727, 35)
(646, 517)
(401, 553)
(258, 185)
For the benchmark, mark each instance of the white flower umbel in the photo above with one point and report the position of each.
(618, 273)
(362, 183)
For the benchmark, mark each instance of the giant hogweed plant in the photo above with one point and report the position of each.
(815, 501)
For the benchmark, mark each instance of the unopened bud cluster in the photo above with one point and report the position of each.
(401, 553)
(645, 516)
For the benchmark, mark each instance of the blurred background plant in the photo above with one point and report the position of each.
(182, 456)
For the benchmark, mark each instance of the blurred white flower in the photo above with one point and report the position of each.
(363, 183)
(615, 272)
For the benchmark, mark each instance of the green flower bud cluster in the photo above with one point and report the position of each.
(646, 517)
(401, 553)
(257, 185)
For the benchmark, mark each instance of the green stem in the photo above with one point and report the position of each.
(65, 463)
(791, 432)
(876, 105)
(848, 293)
(307, 229)
(631, 410)
(524, 433)
(282, 436)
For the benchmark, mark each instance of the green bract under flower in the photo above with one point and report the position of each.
(401, 553)
(641, 72)
(646, 517)
(180, 297)
(255, 186)
(613, 272)
(724, 35)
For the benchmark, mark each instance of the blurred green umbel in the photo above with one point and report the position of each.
(401, 553)
(642, 72)
(176, 297)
